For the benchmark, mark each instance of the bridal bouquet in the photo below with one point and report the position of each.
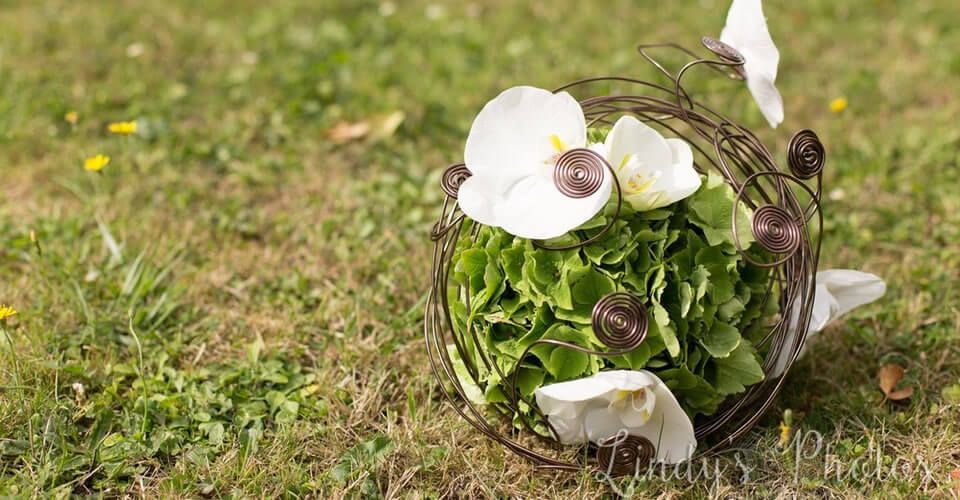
(612, 282)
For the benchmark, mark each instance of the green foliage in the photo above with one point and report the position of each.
(363, 456)
(702, 297)
(122, 424)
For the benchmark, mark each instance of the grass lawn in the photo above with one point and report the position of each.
(233, 305)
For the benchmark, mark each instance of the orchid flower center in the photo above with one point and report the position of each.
(636, 182)
(559, 148)
(640, 401)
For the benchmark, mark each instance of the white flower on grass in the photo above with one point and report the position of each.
(838, 292)
(611, 403)
(653, 172)
(512, 151)
(746, 31)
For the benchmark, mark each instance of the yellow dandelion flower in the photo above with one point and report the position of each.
(784, 434)
(72, 117)
(838, 105)
(96, 163)
(123, 128)
(6, 311)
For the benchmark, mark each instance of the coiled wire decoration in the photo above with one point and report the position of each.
(786, 221)
(620, 321)
(775, 230)
(623, 455)
(452, 177)
(579, 173)
(806, 155)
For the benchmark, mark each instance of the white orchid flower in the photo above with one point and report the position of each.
(838, 292)
(511, 152)
(746, 31)
(610, 403)
(653, 172)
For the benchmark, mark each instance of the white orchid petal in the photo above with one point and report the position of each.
(851, 288)
(477, 198)
(569, 430)
(669, 428)
(627, 380)
(590, 411)
(632, 140)
(681, 180)
(824, 306)
(768, 98)
(517, 132)
(746, 30)
(838, 291)
(681, 155)
(534, 208)
(563, 404)
(653, 172)
(824, 309)
(573, 391)
(601, 424)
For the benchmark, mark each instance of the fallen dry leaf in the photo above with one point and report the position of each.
(955, 478)
(344, 132)
(890, 376)
(375, 128)
(384, 125)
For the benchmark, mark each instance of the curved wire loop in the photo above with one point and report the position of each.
(785, 224)
(452, 177)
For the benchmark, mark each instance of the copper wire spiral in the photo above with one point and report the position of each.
(723, 50)
(453, 176)
(775, 230)
(806, 155)
(579, 173)
(625, 455)
(620, 321)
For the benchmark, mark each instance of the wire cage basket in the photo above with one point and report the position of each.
(786, 223)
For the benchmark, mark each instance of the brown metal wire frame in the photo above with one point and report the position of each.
(786, 222)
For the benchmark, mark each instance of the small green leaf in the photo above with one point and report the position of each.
(512, 261)
(289, 411)
(738, 370)
(254, 349)
(660, 327)
(100, 428)
(712, 210)
(470, 388)
(561, 362)
(214, 432)
(567, 364)
(686, 298)
(472, 262)
(721, 340)
(730, 309)
(592, 287)
(951, 394)
(14, 447)
(529, 379)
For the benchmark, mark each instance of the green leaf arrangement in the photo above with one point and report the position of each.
(707, 305)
